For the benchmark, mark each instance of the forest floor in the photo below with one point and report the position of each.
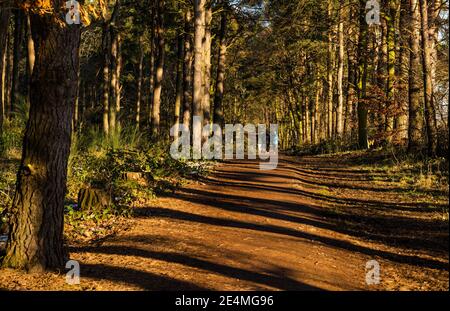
(311, 224)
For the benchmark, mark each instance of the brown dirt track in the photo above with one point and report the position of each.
(312, 224)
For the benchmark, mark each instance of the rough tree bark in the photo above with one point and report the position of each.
(340, 78)
(199, 33)
(415, 126)
(430, 111)
(362, 78)
(187, 69)
(18, 38)
(37, 213)
(159, 72)
(220, 78)
(5, 13)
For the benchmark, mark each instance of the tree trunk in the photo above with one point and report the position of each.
(402, 119)
(139, 85)
(415, 126)
(117, 86)
(199, 33)
(207, 64)
(362, 80)
(106, 63)
(37, 213)
(18, 38)
(330, 77)
(159, 74)
(179, 84)
(187, 69)
(430, 112)
(340, 107)
(5, 13)
(220, 79)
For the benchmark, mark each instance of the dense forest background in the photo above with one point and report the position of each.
(88, 103)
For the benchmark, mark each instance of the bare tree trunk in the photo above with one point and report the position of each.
(207, 64)
(159, 74)
(179, 84)
(415, 127)
(37, 213)
(139, 84)
(362, 81)
(117, 85)
(113, 82)
(340, 107)
(152, 66)
(402, 119)
(187, 69)
(18, 38)
(430, 112)
(5, 13)
(330, 77)
(220, 78)
(106, 77)
(199, 34)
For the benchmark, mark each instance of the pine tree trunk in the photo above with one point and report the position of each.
(220, 78)
(159, 74)
(18, 38)
(179, 84)
(430, 112)
(187, 69)
(5, 13)
(36, 222)
(362, 80)
(106, 77)
(207, 64)
(415, 126)
(139, 85)
(340, 107)
(330, 78)
(199, 33)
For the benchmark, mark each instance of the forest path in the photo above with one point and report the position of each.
(311, 224)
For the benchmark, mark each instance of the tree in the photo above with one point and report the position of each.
(36, 222)
(427, 54)
(5, 13)
(159, 72)
(415, 104)
(221, 63)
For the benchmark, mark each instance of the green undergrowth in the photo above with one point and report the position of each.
(103, 163)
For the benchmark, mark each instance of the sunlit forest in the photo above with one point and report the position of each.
(95, 93)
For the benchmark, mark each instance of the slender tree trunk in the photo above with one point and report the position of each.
(402, 119)
(159, 74)
(30, 46)
(340, 107)
(391, 77)
(187, 69)
(106, 78)
(415, 126)
(113, 81)
(152, 66)
(18, 38)
(330, 77)
(207, 64)
(199, 33)
(117, 85)
(5, 13)
(37, 213)
(220, 78)
(362, 79)
(139, 84)
(179, 84)
(430, 112)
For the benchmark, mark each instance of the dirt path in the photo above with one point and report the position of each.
(312, 224)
